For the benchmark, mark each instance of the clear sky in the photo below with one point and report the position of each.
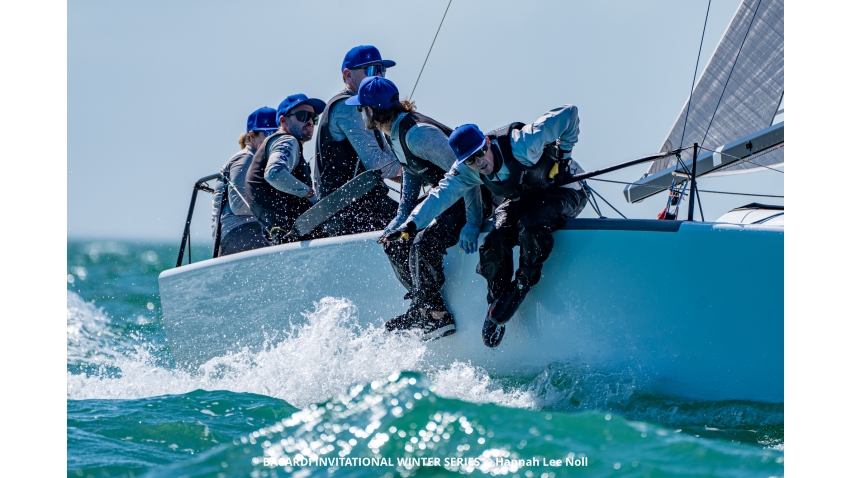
(158, 92)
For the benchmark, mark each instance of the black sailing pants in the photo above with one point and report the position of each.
(418, 264)
(529, 223)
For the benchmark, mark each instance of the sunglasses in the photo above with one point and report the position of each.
(374, 70)
(303, 116)
(474, 157)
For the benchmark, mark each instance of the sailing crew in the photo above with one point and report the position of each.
(421, 145)
(278, 182)
(528, 165)
(237, 228)
(344, 149)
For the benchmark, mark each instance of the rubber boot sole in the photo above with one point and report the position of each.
(492, 333)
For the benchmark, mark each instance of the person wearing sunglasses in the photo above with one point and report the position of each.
(421, 145)
(345, 148)
(278, 181)
(528, 165)
(233, 221)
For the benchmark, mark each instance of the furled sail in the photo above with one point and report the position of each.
(740, 92)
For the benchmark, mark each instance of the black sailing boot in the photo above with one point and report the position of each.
(492, 333)
(435, 328)
(506, 305)
(432, 328)
(409, 320)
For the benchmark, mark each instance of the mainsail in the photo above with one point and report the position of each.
(740, 92)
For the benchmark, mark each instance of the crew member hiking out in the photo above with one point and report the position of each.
(422, 147)
(345, 148)
(278, 178)
(234, 223)
(528, 166)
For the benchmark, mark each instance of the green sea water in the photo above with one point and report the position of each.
(133, 412)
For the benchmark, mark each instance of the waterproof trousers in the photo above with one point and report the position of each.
(372, 212)
(418, 264)
(527, 222)
(245, 237)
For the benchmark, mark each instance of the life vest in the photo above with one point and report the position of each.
(523, 180)
(337, 161)
(428, 171)
(270, 205)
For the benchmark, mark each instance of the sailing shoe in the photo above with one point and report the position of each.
(412, 319)
(437, 328)
(506, 305)
(492, 333)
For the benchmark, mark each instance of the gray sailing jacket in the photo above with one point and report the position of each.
(527, 145)
(235, 212)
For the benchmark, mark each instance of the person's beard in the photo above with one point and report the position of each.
(298, 133)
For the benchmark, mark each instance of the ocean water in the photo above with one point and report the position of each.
(332, 399)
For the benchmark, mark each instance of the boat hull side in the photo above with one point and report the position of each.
(694, 310)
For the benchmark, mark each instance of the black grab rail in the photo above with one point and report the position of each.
(200, 185)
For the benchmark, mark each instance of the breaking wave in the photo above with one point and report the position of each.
(328, 353)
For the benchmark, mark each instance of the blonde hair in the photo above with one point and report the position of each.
(243, 140)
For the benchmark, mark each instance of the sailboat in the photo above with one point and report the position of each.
(687, 308)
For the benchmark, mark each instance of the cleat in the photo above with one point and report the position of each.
(506, 305)
(436, 328)
(492, 333)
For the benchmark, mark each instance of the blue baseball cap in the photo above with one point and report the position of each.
(263, 119)
(465, 140)
(292, 101)
(364, 55)
(375, 92)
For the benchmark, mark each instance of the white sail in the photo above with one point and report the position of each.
(740, 92)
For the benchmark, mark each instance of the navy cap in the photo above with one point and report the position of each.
(292, 101)
(375, 92)
(364, 55)
(263, 119)
(465, 140)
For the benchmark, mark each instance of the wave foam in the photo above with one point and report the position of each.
(316, 361)
(330, 352)
(91, 339)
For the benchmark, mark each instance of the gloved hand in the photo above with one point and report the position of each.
(402, 233)
(469, 238)
(399, 220)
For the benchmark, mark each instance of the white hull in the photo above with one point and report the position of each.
(694, 311)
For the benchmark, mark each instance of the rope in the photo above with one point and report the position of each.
(694, 82)
(429, 50)
(702, 190)
(696, 188)
(730, 73)
(606, 202)
(592, 202)
(744, 194)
